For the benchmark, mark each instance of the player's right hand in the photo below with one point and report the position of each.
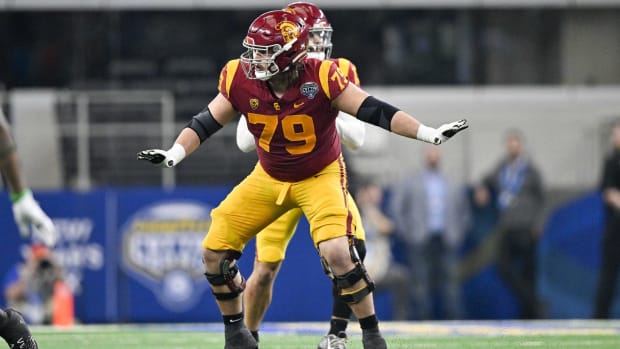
(163, 158)
(29, 215)
(157, 157)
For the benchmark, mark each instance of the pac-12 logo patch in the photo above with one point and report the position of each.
(309, 89)
(254, 103)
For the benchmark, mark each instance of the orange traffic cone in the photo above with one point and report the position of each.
(62, 303)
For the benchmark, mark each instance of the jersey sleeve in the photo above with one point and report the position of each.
(333, 81)
(349, 70)
(227, 76)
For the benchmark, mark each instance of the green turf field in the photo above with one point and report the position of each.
(464, 334)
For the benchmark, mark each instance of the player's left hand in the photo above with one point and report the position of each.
(29, 215)
(447, 131)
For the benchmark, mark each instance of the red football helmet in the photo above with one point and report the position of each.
(320, 33)
(276, 40)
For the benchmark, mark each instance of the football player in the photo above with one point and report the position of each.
(291, 104)
(271, 242)
(27, 212)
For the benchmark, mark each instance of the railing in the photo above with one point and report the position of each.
(100, 132)
(158, 125)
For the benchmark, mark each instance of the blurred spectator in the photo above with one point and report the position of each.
(387, 274)
(610, 259)
(29, 286)
(432, 215)
(518, 188)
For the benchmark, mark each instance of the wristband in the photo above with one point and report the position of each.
(427, 134)
(176, 153)
(15, 197)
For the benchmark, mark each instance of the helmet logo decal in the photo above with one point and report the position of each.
(254, 103)
(288, 30)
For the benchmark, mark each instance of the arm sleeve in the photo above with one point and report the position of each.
(351, 131)
(245, 140)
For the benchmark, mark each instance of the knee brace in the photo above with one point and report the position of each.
(350, 278)
(226, 276)
(360, 246)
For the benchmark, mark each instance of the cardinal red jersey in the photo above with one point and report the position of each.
(296, 134)
(348, 69)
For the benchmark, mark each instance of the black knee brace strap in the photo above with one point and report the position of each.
(353, 276)
(349, 279)
(358, 295)
(228, 271)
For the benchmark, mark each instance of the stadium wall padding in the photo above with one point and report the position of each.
(134, 255)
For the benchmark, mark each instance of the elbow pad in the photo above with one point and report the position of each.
(245, 139)
(350, 130)
(377, 112)
(204, 124)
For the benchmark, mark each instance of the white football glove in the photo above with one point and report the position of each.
(163, 158)
(442, 133)
(28, 214)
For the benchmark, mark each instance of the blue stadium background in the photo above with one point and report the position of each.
(111, 291)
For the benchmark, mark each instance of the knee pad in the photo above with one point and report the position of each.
(226, 276)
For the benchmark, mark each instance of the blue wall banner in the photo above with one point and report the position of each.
(159, 235)
(569, 258)
(81, 221)
(135, 255)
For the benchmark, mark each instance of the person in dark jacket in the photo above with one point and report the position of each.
(610, 256)
(519, 198)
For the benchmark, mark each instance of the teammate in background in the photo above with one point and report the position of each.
(27, 212)
(271, 242)
(291, 104)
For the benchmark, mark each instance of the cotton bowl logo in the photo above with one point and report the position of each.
(162, 250)
(309, 89)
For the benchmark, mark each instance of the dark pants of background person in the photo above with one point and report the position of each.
(516, 265)
(608, 275)
(433, 266)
